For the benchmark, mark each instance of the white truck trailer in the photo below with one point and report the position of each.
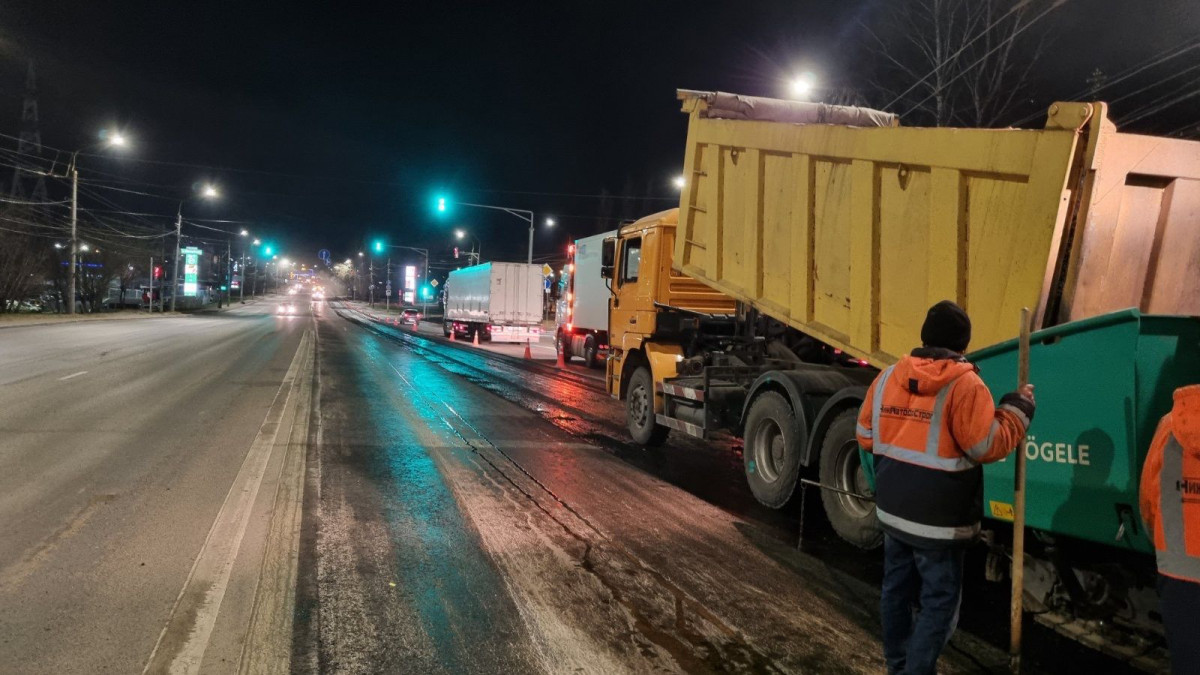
(494, 301)
(582, 309)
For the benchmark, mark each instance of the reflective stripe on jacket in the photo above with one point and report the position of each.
(1170, 488)
(931, 422)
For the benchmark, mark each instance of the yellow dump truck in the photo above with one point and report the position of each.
(809, 242)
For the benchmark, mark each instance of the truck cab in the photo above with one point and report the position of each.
(655, 313)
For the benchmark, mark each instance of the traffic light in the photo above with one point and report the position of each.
(378, 246)
(158, 271)
(268, 249)
(441, 204)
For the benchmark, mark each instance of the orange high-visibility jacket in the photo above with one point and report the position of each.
(931, 423)
(1170, 495)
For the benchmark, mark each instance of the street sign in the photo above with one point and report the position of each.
(323, 254)
(388, 289)
(546, 270)
(433, 282)
(546, 285)
(191, 267)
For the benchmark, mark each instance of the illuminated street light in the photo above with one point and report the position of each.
(83, 247)
(549, 222)
(459, 234)
(210, 192)
(679, 182)
(801, 86)
(257, 242)
(57, 245)
(116, 139)
(245, 233)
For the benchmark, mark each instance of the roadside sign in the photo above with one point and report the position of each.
(433, 282)
(191, 267)
(323, 254)
(546, 270)
(546, 285)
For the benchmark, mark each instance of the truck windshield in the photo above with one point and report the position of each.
(631, 260)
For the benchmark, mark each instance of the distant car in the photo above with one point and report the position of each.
(410, 316)
(318, 295)
(285, 308)
(292, 291)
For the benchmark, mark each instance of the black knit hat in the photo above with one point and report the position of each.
(947, 326)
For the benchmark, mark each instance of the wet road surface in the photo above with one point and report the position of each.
(475, 513)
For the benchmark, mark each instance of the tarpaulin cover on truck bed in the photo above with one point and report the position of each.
(722, 105)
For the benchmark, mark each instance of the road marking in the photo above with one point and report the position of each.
(182, 642)
(82, 372)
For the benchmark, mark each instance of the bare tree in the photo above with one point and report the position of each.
(955, 62)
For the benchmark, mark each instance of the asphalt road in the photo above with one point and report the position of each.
(119, 444)
(246, 492)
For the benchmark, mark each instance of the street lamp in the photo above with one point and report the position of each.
(679, 182)
(801, 86)
(549, 223)
(208, 192)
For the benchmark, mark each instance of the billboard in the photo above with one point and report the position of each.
(191, 267)
(410, 277)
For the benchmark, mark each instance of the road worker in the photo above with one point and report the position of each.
(930, 423)
(1170, 503)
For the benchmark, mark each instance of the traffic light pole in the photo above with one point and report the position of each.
(527, 216)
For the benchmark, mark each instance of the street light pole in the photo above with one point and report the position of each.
(523, 214)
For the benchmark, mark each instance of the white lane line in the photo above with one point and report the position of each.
(181, 645)
(82, 372)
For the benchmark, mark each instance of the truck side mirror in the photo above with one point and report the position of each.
(608, 257)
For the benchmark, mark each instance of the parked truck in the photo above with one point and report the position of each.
(494, 301)
(809, 242)
(582, 310)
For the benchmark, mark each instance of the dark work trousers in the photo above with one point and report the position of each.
(1181, 616)
(922, 589)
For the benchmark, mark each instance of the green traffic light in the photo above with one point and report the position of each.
(378, 246)
(441, 204)
(268, 250)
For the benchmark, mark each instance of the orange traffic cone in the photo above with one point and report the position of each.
(561, 363)
(475, 341)
(452, 332)
(528, 352)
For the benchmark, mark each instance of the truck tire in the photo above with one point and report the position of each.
(589, 351)
(771, 455)
(446, 328)
(564, 346)
(639, 410)
(853, 519)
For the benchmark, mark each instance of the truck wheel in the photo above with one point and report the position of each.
(772, 450)
(639, 410)
(446, 329)
(564, 347)
(589, 351)
(852, 518)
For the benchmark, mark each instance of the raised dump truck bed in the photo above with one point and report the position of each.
(848, 233)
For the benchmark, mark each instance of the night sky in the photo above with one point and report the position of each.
(328, 124)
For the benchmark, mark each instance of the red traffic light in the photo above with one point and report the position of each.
(158, 271)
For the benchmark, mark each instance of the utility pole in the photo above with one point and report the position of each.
(387, 295)
(371, 290)
(150, 296)
(175, 262)
(74, 239)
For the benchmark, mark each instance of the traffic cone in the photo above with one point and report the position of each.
(561, 363)
(452, 332)
(528, 352)
(475, 341)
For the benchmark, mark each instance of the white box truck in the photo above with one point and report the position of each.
(494, 301)
(582, 309)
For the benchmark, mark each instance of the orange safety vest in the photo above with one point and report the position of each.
(1170, 496)
(931, 422)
